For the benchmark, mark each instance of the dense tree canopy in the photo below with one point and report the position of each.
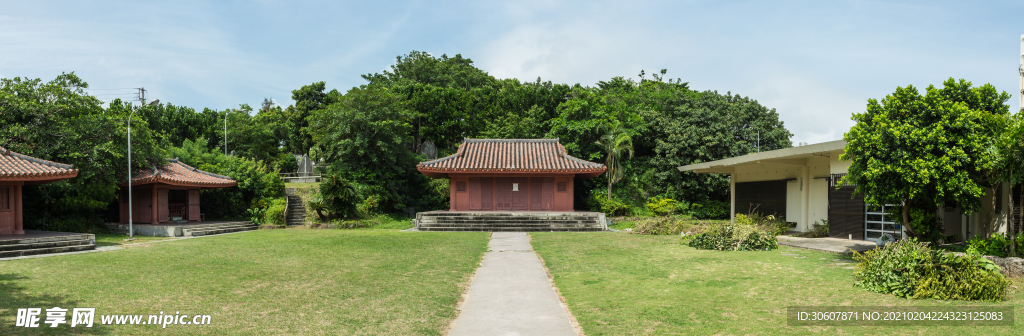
(922, 151)
(371, 135)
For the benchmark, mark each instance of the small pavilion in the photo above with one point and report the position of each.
(169, 193)
(511, 175)
(16, 171)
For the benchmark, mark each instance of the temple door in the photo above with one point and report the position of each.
(7, 220)
(486, 194)
(503, 193)
(161, 202)
(193, 205)
(520, 197)
(548, 194)
(474, 193)
(536, 186)
(143, 206)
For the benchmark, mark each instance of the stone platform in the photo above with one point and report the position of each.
(189, 229)
(510, 221)
(44, 242)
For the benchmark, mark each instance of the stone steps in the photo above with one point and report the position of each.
(296, 211)
(217, 229)
(505, 222)
(46, 245)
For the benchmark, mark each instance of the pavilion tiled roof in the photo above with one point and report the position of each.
(177, 173)
(511, 155)
(20, 167)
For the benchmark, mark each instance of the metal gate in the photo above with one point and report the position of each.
(877, 223)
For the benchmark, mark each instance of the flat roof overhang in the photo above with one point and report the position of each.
(786, 156)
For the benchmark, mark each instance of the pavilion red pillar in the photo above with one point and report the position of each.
(156, 210)
(19, 223)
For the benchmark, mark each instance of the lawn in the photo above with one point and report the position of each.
(114, 239)
(266, 282)
(626, 284)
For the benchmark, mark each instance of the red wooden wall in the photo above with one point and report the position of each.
(511, 192)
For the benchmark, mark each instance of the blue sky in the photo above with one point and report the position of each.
(816, 62)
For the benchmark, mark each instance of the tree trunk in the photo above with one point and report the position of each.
(906, 218)
(1009, 226)
(609, 188)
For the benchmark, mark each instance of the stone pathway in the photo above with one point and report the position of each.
(827, 244)
(511, 294)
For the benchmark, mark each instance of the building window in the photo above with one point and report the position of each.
(460, 186)
(5, 198)
(515, 186)
(562, 187)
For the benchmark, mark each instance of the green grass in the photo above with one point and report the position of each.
(266, 282)
(114, 239)
(625, 284)
(300, 185)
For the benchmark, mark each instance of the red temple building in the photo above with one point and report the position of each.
(16, 171)
(511, 175)
(162, 194)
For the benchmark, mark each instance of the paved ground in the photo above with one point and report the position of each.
(511, 294)
(828, 244)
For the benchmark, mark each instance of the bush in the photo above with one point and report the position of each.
(336, 198)
(710, 209)
(818, 231)
(733, 237)
(910, 269)
(275, 213)
(665, 206)
(610, 207)
(369, 206)
(768, 223)
(661, 226)
(997, 245)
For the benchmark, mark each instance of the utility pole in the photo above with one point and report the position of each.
(142, 96)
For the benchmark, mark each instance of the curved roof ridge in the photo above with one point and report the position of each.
(9, 152)
(511, 155)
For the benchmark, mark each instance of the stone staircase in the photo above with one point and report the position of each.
(218, 228)
(20, 247)
(296, 211)
(510, 221)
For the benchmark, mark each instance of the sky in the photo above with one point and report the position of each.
(815, 62)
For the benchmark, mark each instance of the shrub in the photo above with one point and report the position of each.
(665, 206)
(733, 237)
(661, 226)
(997, 245)
(768, 223)
(710, 209)
(336, 198)
(610, 207)
(910, 269)
(818, 231)
(369, 206)
(275, 213)
(256, 215)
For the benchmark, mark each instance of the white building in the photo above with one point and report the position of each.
(799, 184)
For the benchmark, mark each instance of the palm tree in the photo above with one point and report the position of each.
(616, 142)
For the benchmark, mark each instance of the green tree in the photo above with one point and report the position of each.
(58, 121)
(923, 151)
(308, 100)
(616, 142)
(1009, 167)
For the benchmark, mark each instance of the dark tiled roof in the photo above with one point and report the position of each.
(20, 167)
(177, 173)
(511, 155)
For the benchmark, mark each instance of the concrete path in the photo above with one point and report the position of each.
(511, 294)
(827, 244)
